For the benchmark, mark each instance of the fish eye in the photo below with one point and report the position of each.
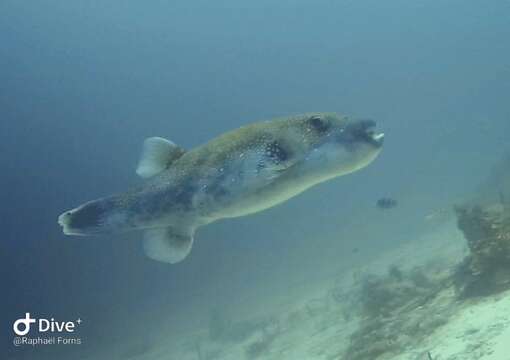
(318, 123)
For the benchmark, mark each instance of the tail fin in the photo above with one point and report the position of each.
(94, 217)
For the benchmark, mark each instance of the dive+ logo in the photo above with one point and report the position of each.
(22, 326)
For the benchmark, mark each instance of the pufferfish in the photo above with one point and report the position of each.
(238, 173)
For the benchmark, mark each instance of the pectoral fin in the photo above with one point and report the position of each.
(157, 155)
(261, 167)
(167, 244)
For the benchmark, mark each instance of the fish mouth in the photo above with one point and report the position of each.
(366, 130)
(376, 138)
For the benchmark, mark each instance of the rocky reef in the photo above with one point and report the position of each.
(401, 308)
(486, 269)
(397, 310)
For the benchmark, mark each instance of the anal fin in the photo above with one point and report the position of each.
(167, 244)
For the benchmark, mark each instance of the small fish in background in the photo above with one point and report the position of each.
(386, 203)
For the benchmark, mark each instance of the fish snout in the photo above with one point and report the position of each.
(364, 130)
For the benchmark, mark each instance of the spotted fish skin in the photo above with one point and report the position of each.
(238, 173)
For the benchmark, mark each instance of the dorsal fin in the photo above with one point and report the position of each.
(157, 155)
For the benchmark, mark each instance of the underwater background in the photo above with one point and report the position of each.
(82, 84)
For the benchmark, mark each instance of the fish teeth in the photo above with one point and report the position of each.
(378, 136)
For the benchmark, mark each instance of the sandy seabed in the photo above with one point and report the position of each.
(324, 323)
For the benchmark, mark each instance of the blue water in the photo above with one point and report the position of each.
(83, 83)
